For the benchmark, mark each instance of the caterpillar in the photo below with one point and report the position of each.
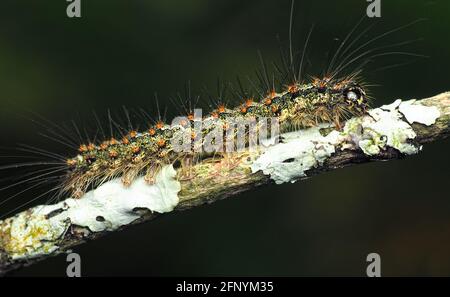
(294, 103)
(298, 106)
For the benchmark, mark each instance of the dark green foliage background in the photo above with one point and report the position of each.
(120, 52)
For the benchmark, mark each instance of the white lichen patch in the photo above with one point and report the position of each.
(386, 127)
(415, 112)
(110, 206)
(382, 128)
(30, 235)
(393, 106)
(299, 152)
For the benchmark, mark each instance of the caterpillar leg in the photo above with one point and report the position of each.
(337, 122)
(76, 188)
(129, 176)
(186, 172)
(77, 193)
(151, 172)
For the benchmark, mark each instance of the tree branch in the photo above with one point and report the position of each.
(388, 132)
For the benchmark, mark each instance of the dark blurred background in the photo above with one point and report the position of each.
(121, 52)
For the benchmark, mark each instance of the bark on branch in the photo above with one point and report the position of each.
(388, 132)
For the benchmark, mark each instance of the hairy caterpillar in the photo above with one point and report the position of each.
(299, 106)
(296, 102)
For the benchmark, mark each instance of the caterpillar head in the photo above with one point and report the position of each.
(353, 95)
(325, 101)
(347, 95)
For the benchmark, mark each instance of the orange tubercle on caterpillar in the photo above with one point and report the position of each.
(91, 147)
(184, 123)
(161, 143)
(83, 148)
(221, 109)
(135, 149)
(292, 88)
(113, 154)
(132, 134)
(125, 140)
(104, 145)
(71, 162)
